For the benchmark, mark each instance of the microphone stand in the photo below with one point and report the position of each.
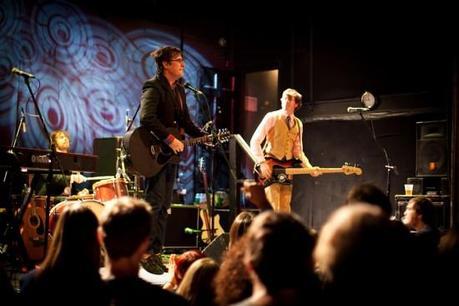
(52, 158)
(11, 232)
(389, 167)
(215, 145)
(15, 140)
(210, 125)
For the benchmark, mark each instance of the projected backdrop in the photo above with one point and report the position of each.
(88, 72)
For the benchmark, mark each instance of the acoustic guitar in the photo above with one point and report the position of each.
(33, 228)
(147, 155)
(211, 226)
(282, 171)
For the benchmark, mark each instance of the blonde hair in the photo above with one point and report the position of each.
(292, 93)
(56, 133)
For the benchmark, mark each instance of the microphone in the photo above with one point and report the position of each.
(127, 120)
(357, 109)
(194, 90)
(24, 126)
(189, 230)
(22, 73)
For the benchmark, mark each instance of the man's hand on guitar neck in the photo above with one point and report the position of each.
(176, 145)
(265, 170)
(316, 171)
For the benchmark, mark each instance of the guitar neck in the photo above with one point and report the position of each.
(197, 140)
(293, 171)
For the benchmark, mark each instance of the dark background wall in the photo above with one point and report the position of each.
(406, 60)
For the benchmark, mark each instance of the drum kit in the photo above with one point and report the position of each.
(104, 190)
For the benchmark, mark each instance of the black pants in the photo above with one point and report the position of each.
(158, 193)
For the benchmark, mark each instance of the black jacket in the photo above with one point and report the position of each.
(160, 109)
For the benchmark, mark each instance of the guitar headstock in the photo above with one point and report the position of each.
(223, 135)
(348, 170)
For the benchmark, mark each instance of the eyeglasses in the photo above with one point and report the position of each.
(180, 60)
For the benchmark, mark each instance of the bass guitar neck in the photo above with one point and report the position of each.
(282, 172)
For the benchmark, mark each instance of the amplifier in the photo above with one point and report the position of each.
(184, 216)
(181, 217)
(440, 202)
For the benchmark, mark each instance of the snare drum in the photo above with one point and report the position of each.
(96, 206)
(106, 190)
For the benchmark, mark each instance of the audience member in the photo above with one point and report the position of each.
(232, 283)
(360, 255)
(280, 277)
(239, 226)
(371, 194)
(419, 218)
(447, 277)
(179, 265)
(196, 286)
(125, 228)
(70, 272)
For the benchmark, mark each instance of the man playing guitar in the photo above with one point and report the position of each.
(282, 134)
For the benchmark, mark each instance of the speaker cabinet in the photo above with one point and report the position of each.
(432, 148)
(181, 217)
(105, 149)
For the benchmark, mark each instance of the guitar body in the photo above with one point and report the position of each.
(206, 225)
(33, 228)
(147, 155)
(211, 227)
(278, 173)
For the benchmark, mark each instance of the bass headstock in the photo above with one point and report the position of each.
(348, 170)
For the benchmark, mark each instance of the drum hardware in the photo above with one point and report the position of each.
(120, 167)
(134, 185)
(96, 178)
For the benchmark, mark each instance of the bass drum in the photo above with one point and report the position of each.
(96, 206)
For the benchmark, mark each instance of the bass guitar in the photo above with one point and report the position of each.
(282, 171)
(147, 155)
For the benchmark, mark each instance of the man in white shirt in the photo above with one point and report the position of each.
(282, 134)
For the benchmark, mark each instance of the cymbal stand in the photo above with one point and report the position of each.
(120, 167)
